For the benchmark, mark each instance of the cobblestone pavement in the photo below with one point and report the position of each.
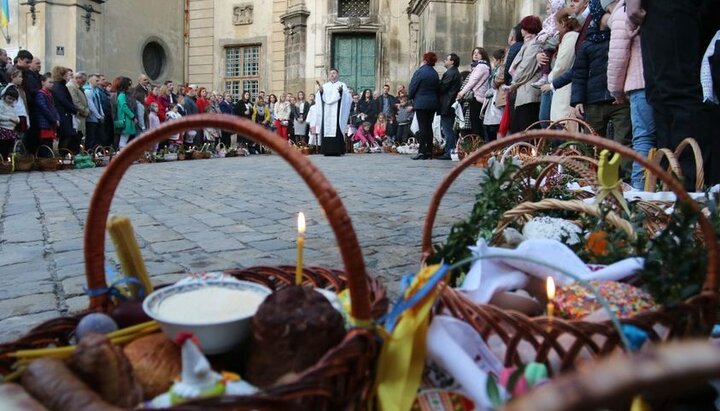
(209, 215)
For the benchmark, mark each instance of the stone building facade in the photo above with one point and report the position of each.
(115, 37)
(286, 45)
(272, 45)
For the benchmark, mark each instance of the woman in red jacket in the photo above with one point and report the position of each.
(155, 97)
(202, 100)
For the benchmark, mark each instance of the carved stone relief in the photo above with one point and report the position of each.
(243, 14)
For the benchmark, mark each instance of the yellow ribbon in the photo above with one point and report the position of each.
(638, 404)
(609, 179)
(403, 355)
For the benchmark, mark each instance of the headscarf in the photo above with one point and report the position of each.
(595, 35)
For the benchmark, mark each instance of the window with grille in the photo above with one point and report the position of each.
(353, 8)
(242, 70)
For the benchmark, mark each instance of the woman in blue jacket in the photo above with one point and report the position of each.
(423, 90)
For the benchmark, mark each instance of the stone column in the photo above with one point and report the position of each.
(295, 30)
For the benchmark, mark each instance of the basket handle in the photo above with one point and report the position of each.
(651, 179)
(326, 195)
(65, 150)
(49, 149)
(697, 154)
(711, 280)
(581, 123)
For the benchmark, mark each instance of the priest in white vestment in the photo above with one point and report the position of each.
(334, 102)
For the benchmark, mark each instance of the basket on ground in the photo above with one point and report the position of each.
(343, 378)
(569, 341)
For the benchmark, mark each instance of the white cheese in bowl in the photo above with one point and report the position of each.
(209, 305)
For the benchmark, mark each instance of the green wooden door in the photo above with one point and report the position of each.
(354, 56)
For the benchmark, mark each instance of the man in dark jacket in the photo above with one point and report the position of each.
(449, 88)
(672, 47)
(190, 106)
(386, 102)
(4, 76)
(142, 89)
(31, 84)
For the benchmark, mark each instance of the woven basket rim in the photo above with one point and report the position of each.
(711, 280)
(98, 211)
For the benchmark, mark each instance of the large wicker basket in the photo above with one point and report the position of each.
(579, 339)
(343, 378)
(660, 374)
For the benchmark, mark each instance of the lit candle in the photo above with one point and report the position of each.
(550, 305)
(300, 245)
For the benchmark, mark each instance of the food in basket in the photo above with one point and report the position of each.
(190, 307)
(553, 229)
(574, 301)
(95, 323)
(217, 311)
(14, 398)
(293, 328)
(52, 383)
(129, 313)
(155, 361)
(106, 370)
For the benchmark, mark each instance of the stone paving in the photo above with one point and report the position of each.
(210, 215)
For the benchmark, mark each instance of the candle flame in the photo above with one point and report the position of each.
(301, 223)
(550, 289)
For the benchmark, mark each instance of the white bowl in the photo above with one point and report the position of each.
(214, 336)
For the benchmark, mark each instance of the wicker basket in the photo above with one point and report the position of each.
(6, 166)
(343, 378)
(663, 372)
(23, 160)
(66, 159)
(102, 155)
(674, 166)
(47, 163)
(470, 143)
(579, 338)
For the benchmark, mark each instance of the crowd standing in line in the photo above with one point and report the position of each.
(642, 73)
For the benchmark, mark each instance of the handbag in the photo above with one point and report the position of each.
(119, 124)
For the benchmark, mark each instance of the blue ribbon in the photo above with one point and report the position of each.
(402, 305)
(113, 291)
(635, 336)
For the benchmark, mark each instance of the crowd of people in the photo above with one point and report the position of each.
(644, 74)
(76, 110)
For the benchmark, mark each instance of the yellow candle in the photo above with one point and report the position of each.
(550, 305)
(300, 245)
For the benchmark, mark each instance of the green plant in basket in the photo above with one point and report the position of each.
(676, 260)
(607, 244)
(497, 195)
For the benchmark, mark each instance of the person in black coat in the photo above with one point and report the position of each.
(449, 88)
(366, 107)
(423, 90)
(67, 135)
(244, 108)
